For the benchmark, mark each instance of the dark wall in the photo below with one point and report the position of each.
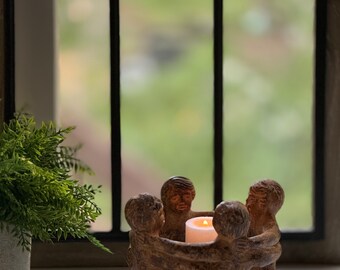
(2, 61)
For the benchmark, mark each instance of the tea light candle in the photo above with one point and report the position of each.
(199, 229)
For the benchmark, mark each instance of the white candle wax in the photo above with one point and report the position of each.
(199, 229)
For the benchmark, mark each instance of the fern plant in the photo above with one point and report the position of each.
(38, 195)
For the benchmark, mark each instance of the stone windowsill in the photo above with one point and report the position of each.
(312, 267)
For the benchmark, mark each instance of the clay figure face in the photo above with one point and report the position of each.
(256, 202)
(180, 200)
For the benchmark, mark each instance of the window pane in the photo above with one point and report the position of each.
(268, 67)
(166, 96)
(83, 98)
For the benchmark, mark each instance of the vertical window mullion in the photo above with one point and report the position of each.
(319, 116)
(218, 101)
(115, 115)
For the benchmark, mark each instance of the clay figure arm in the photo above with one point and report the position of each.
(191, 252)
(260, 257)
(268, 238)
(206, 252)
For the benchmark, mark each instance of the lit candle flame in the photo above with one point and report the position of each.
(205, 223)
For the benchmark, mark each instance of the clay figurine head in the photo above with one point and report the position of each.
(144, 213)
(265, 196)
(231, 219)
(177, 194)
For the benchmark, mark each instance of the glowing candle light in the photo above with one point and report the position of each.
(199, 229)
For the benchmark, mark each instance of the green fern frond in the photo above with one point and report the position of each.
(38, 195)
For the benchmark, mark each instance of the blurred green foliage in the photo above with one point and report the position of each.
(167, 88)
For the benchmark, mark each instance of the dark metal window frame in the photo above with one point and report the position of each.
(319, 111)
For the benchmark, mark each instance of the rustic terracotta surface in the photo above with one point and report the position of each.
(232, 221)
(2, 62)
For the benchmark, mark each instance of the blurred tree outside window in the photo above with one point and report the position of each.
(167, 97)
(167, 102)
(268, 90)
(83, 97)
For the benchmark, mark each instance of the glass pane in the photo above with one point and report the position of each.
(166, 96)
(83, 98)
(268, 65)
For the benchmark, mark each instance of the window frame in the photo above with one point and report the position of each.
(319, 98)
(316, 247)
